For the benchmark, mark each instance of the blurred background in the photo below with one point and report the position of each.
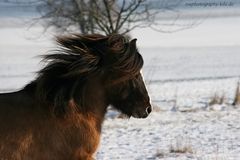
(191, 50)
(164, 27)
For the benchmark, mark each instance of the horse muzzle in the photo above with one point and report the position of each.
(142, 114)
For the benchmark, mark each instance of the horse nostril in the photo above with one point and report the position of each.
(149, 110)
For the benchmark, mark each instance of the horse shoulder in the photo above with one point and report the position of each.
(82, 135)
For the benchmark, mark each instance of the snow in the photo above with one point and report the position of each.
(183, 71)
(207, 134)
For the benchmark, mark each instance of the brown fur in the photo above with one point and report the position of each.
(59, 115)
(37, 135)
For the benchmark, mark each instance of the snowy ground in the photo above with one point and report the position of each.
(203, 135)
(183, 71)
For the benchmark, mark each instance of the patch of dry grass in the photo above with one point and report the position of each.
(217, 99)
(236, 100)
(181, 149)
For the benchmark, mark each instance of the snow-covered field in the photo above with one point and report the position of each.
(183, 71)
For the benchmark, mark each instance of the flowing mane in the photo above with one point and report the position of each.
(77, 59)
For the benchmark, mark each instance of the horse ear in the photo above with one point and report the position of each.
(117, 42)
(133, 44)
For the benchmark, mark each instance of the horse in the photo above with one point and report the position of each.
(59, 115)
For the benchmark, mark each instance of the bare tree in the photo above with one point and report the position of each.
(107, 16)
(97, 16)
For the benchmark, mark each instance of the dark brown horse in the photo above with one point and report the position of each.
(58, 116)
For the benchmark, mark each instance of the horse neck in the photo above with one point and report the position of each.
(89, 97)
